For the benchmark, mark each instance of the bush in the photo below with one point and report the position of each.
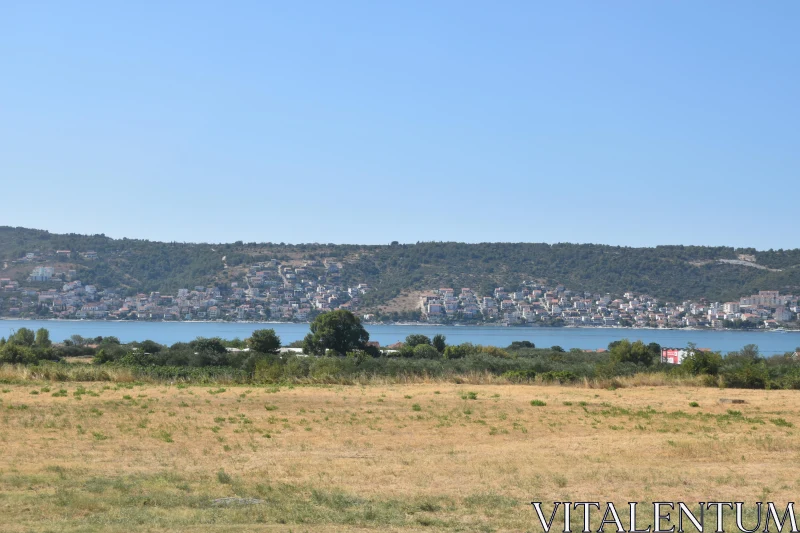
(296, 367)
(426, 351)
(415, 340)
(519, 376)
(745, 376)
(17, 354)
(213, 345)
(102, 357)
(439, 342)
(560, 376)
(137, 358)
(496, 352)
(698, 362)
(267, 370)
(459, 351)
(625, 351)
(516, 345)
(330, 368)
(72, 350)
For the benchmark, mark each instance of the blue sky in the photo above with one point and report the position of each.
(630, 123)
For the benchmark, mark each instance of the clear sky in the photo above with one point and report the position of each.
(631, 123)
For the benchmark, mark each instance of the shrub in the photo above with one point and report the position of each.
(519, 376)
(17, 354)
(415, 340)
(224, 478)
(560, 376)
(538, 403)
(439, 342)
(102, 357)
(459, 351)
(495, 352)
(699, 362)
(515, 345)
(747, 375)
(137, 358)
(267, 370)
(625, 351)
(330, 368)
(426, 351)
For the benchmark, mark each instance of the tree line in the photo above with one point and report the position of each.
(337, 347)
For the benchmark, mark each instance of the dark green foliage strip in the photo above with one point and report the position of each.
(348, 358)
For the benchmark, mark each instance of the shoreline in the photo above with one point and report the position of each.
(400, 324)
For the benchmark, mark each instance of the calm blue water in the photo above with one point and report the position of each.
(586, 338)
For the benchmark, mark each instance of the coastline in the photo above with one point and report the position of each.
(399, 324)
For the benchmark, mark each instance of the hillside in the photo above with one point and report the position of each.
(670, 273)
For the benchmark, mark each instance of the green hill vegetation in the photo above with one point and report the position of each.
(670, 273)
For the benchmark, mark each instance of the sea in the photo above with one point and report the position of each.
(768, 342)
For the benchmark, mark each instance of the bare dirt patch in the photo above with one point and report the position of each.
(405, 301)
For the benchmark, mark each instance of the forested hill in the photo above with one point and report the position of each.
(671, 273)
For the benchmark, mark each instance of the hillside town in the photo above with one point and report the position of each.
(558, 306)
(266, 291)
(297, 292)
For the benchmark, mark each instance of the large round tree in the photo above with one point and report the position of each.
(264, 341)
(340, 331)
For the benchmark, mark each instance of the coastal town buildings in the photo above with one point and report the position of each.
(537, 304)
(300, 290)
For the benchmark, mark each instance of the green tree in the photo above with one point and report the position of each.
(415, 339)
(149, 346)
(655, 350)
(515, 345)
(439, 342)
(699, 362)
(264, 341)
(204, 344)
(77, 340)
(340, 331)
(101, 357)
(17, 353)
(107, 341)
(459, 351)
(750, 351)
(43, 338)
(426, 351)
(23, 337)
(626, 352)
(494, 351)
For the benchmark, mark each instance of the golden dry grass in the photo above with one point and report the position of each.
(432, 457)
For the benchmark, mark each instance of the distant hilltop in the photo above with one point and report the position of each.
(386, 280)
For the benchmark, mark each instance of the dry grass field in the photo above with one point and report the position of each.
(426, 457)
